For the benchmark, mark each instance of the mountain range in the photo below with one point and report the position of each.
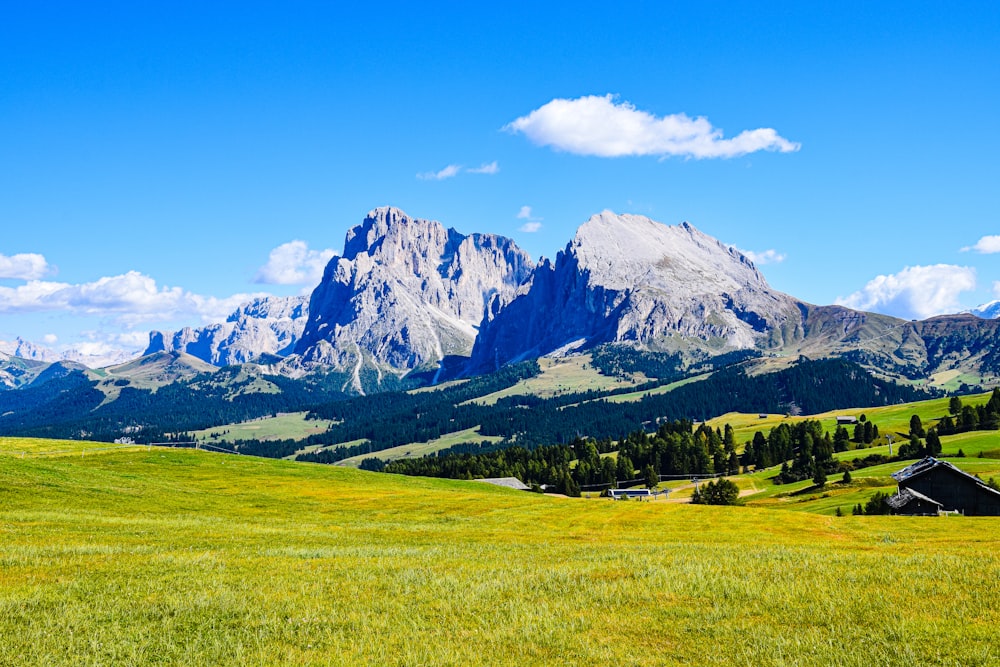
(411, 302)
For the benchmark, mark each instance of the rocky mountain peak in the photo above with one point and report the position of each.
(623, 250)
(629, 278)
(406, 293)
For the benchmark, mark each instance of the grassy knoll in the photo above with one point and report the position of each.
(418, 449)
(634, 396)
(292, 425)
(890, 419)
(563, 375)
(33, 447)
(186, 557)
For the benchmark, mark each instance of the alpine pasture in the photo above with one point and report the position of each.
(159, 556)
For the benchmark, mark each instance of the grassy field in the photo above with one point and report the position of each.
(293, 425)
(186, 557)
(563, 375)
(419, 449)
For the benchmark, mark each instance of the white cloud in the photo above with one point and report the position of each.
(24, 266)
(769, 256)
(533, 224)
(597, 125)
(486, 168)
(987, 245)
(293, 263)
(448, 172)
(916, 292)
(129, 299)
(996, 288)
(50, 339)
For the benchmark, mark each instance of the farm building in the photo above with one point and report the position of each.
(913, 503)
(932, 485)
(846, 420)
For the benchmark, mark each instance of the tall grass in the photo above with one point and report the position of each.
(171, 557)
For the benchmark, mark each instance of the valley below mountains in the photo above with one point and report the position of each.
(410, 303)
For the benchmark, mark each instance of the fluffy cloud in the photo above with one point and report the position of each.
(596, 125)
(765, 257)
(916, 292)
(23, 266)
(486, 168)
(129, 299)
(986, 245)
(448, 172)
(293, 263)
(533, 223)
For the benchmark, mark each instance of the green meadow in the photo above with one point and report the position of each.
(292, 425)
(154, 556)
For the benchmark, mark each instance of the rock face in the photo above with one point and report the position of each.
(626, 278)
(407, 293)
(268, 325)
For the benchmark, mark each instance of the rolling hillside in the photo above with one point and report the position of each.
(168, 556)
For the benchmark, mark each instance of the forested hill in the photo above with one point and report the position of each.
(529, 421)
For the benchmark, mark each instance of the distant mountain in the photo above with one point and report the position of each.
(27, 350)
(160, 368)
(406, 294)
(626, 278)
(263, 326)
(987, 311)
(90, 355)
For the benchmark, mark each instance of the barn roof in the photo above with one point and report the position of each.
(931, 463)
(906, 496)
(925, 465)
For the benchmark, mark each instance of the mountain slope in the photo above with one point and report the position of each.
(626, 278)
(407, 293)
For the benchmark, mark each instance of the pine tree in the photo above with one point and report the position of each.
(819, 476)
(933, 446)
(652, 479)
(955, 406)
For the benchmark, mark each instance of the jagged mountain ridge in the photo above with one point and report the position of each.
(266, 325)
(409, 294)
(406, 294)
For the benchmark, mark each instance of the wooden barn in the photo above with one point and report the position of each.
(932, 485)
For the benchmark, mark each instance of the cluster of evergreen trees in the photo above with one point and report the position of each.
(548, 466)
(675, 449)
(719, 492)
(962, 418)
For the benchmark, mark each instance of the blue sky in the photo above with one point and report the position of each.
(152, 158)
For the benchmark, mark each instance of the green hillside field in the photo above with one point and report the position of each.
(154, 556)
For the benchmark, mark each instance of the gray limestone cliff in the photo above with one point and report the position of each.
(626, 278)
(406, 293)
